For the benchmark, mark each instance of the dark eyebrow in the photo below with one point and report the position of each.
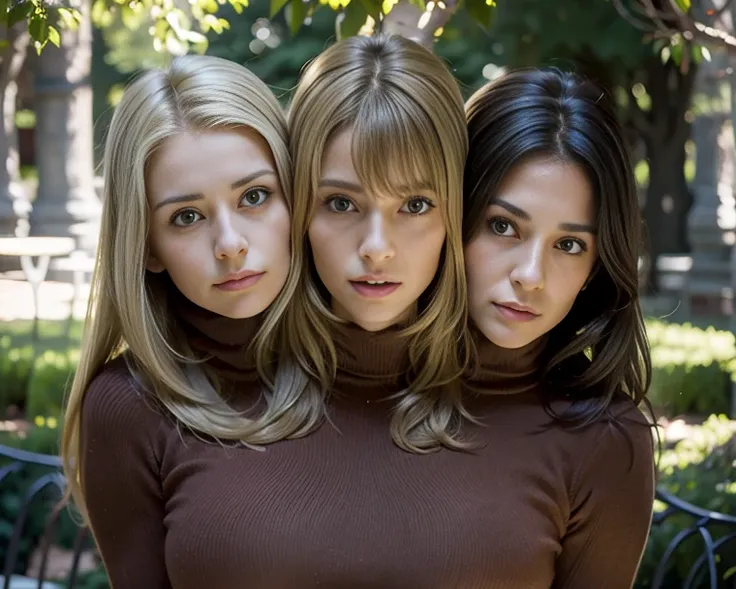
(335, 183)
(198, 195)
(516, 211)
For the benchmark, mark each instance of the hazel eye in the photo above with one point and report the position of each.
(186, 218)
(417, 206)
(255, 197)
(340, 204)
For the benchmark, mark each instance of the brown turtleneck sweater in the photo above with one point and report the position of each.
(343, 508)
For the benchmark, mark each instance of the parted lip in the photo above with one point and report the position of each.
(518, 307)
(239, 276)
(374, 278)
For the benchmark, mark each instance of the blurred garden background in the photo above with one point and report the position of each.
(669, 64)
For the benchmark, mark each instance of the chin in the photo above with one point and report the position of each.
(504, 337)
(374, 323)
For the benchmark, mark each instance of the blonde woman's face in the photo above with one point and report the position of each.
(219, 224)
(375, 253)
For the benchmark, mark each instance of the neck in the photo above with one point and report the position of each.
(500, 370)
(224, 342)
(370, 364)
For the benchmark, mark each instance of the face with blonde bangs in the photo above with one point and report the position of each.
(374, 253)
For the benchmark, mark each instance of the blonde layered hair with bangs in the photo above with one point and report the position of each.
(408, 126)
(127, 309)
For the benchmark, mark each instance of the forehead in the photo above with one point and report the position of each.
(337, 160)
(550, 191)
(189, 161)
(386, 179)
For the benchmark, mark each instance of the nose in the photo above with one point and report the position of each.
(528, 272)
(229, 242)
(377, 245)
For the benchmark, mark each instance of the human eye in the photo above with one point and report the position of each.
(186, 218)
(572, 246)
(502, 227)
(417, 205)
(339, 204)
(255, 197)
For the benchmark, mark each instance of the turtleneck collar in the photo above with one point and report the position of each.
(499, 371)
(224, 341)
(376, 360)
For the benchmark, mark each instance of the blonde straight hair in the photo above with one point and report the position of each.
(127, 311)
(407, 117)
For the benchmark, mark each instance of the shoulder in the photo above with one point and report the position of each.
(114, 401)
(620, 451)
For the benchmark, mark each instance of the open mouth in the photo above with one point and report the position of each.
(374, 288)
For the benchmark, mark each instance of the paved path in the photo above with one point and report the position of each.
(55, 298)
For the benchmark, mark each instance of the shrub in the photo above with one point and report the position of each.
(699, 470)
(692, 368)
(51, 375)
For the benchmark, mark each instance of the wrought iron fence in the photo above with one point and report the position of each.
(32, 485)
(717, 531)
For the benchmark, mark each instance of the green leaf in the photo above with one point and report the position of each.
(298, 13)
(19, 12)
(277, 5)
(372, 7)
(353, 18)
(729, 573)
(3, 9)
(54, 36)
(677, 51)
(481, 11)
(69, 18)
(101, 16)
(683, 5)
(37, 28)
(130, 18)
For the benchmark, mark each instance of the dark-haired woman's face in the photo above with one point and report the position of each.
(534, 253)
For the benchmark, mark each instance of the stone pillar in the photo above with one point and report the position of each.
(711, 220)
(14, 205)
(66, 204)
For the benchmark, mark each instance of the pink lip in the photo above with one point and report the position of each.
(515, 312)
(374, 291)
(240, 280)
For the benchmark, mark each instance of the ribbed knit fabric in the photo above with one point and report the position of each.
(532, 507)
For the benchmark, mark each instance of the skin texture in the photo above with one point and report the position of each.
(396, 237)
(534, 250)
(234, 218)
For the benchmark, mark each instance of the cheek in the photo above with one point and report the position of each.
(278, 235)
(326, 246)
(426, 238)
(480, 259)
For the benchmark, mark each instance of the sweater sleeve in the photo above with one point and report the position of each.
(611, 509)
(121, 482)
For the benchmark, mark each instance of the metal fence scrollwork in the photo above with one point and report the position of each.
(34, 528)
(714, 567)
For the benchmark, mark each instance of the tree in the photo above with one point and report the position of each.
(653, 94)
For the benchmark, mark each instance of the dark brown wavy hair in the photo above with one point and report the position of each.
(600, 350)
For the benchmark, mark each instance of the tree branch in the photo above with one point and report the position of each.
(673, 20)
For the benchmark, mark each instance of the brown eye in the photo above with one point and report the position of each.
(572, 246)
(501, 226)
